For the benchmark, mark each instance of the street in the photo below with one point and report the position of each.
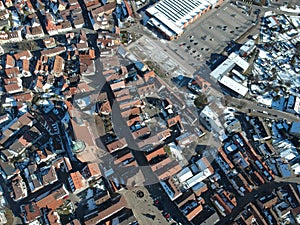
(254, 109)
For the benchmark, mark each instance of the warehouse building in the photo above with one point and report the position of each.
(171, 17)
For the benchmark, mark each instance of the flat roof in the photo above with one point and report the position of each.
(164, 20)
(222, 69)
(295, 128)
(175, 13)
(154, 22)
(226, 66)
(239, 61)
(233, 85)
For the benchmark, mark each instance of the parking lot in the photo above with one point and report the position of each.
(187, 55)
(212, 32)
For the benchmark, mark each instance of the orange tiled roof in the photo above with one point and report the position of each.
(155, 153)
(23, 55)
(10, 61)
(141, 132)
(24, 97)
(13, 88)
(191, 215)
(12, 72)
(93, 170)
(58, 64)
(78, 180)
(117, 145)
(148, 75)
(174, 120)
(49, 202)
(132, 121)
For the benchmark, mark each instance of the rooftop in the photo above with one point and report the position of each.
(175, 13)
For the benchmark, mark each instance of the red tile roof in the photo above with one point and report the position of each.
(117, 85)
(12, 72)
(117, 145)
(23, 55)
(141, 132)
(148, 75)
(10, 61)
(133, 120)
(58, 65)
(53, 200)
(173, 121)
(32, 211)
(191, 215)
(123, 158)
(161, 164)
(168, 170)
(54, 218)
(123, 98)
(218, 198)
(83, 132)
(121, 92)
(105, 108)
(92, 171)
(224, 156)
(13, 88)
(185, 198)
(131, 111)
(155, 153)
(78, 181)
(13, 80)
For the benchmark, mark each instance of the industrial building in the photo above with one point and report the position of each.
(171, 17)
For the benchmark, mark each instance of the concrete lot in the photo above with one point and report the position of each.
(211, 33)
(143, 208)
(159, 51)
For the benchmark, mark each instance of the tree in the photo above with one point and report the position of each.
(29, 45)
(200, 101)
(277, 97)
(168, 150)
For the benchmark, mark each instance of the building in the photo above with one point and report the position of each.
(210, 120)
(77, 182)
(91, 171)
(247, 48)
(58, 66)
(234, 61)
(171, 17)
(117, 145)
(19, 188)
(233, 85)
(104, 214)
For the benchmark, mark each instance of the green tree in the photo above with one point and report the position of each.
(201, 101)
(167, 150)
